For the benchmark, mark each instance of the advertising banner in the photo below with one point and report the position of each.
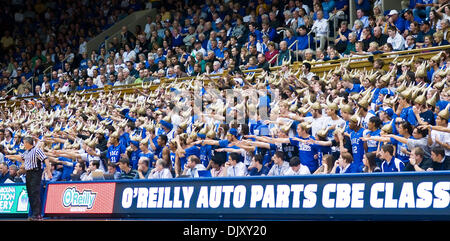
(333, 196)
(80, 198)
(13, 199)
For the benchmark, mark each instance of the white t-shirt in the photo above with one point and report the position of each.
(304, 170)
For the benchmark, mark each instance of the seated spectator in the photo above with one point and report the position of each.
(271, 53)
(439, 39)
(345, 164)
(160, 171)
(4, 172)
(395, 20)
(256, 167)
(417, 161)
(410, 42)
(296, 168)
(112, 170)
(285, 55)
(279, 165)
(396, 39)
(425, 29)
(342, 37)
(193, 165)
(350, 44)
(304, 41)
(94, 172)
(370, 163)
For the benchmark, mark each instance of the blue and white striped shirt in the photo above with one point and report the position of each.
(33, 158)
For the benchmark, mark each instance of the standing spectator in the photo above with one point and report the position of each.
(363, 4)
(390, 163)
(422, 8)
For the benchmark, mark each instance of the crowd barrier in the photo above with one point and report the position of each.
(13, 201)
(381, 196)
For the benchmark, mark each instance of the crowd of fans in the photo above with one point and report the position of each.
(344, 121)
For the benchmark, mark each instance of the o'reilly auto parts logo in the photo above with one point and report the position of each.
(78, 201)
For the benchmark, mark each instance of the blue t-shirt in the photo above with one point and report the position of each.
(134, 158)
(307, 152)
